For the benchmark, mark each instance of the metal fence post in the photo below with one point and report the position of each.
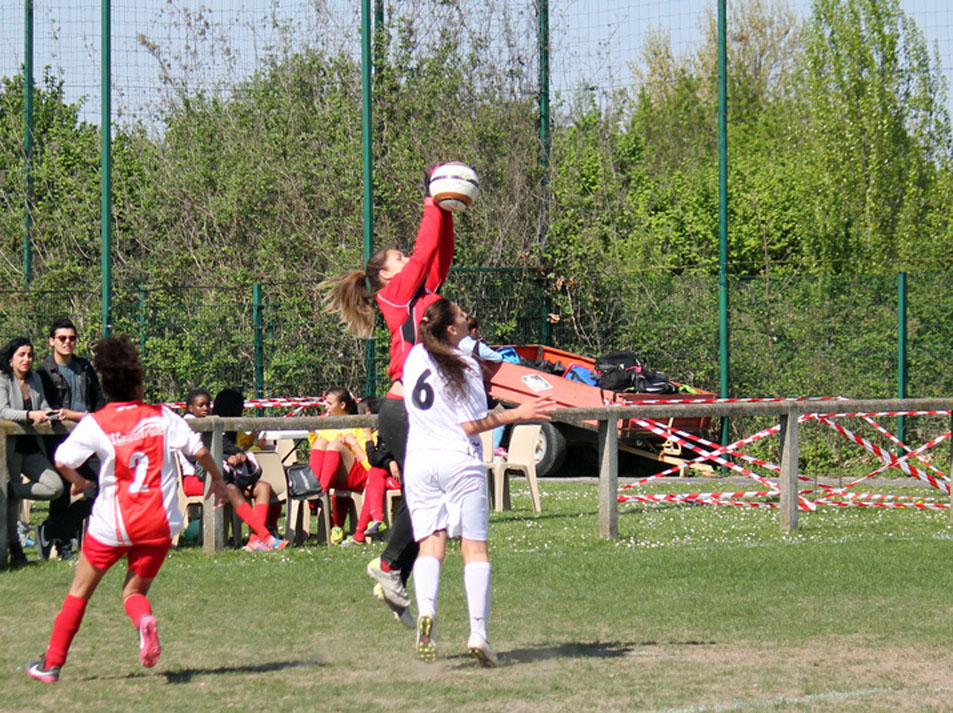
(608, 479)
(901, 350)
(4, 483)
(213, 519)
(789, 470)
(259, 346)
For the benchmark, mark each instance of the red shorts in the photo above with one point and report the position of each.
(192, 485)
(144, 560)
(356, 477)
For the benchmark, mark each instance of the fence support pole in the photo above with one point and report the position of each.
(951, 468)
(902, 350)
(213, 519)
(789, 470)
(608, 479)
(4, 483)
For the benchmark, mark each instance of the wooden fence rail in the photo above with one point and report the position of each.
(788, 412)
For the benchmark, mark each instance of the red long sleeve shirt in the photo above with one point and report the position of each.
(406, 297)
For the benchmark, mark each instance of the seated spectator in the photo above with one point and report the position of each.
(243, 479)
(22, 401)
(339, 461)
(198, 404)
(383, 475)
(473, 345)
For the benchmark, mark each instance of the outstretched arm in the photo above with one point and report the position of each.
(535, 410)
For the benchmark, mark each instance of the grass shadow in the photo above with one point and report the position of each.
(590, 649)
(185, 675)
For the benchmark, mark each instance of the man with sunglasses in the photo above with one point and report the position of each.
(69, 383)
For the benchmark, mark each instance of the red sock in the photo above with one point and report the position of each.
(329, 469)
(385, 566)
(261, 513)
(137, 606)
(339, 510)
(315, 460)
(374, 492)
(245, 512)
(65, 627)
(373, 507)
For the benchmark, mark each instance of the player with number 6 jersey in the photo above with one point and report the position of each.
(444, 477)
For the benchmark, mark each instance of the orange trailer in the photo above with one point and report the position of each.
(515, 383)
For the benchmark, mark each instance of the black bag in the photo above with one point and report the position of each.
(245, 475)
(302, 482)
(618, 371)
(653, 382)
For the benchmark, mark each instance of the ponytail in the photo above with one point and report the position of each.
(349, 297)
(433, 335)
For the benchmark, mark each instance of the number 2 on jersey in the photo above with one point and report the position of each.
(139, 464)
(422, 394)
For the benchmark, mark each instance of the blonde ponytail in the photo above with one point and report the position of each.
(349, 298)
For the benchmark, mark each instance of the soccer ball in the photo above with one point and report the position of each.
(454, 186)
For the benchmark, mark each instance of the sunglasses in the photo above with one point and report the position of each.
(62, 338)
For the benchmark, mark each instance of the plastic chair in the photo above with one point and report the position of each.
(521, 456)
(186, 502)
(486, 439)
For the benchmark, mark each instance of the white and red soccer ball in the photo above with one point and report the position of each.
(454, 186)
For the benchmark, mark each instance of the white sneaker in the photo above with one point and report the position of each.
(394, 590)
(480, 649)
(401, 614)
(426, 644)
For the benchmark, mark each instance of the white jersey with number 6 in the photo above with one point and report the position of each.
(434, 413)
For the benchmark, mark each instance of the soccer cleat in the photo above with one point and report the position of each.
(337, 535)
(149, 647)
(44, 544)
(375, 527)
(39, 671)
(351, 542)
(480, 649)
(426, 644)
(273, 544)
(401, 614)
(393, 589)
(254, 544)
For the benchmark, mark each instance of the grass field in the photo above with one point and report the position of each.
(694, 608)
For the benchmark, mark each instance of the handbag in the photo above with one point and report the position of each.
(245, 475)
(302, 482)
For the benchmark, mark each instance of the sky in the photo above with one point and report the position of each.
(594, 42)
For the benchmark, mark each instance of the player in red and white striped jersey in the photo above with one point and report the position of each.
(136, 513)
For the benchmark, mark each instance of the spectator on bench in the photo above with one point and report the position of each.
(243, 479)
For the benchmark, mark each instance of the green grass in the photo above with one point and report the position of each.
(693, 608)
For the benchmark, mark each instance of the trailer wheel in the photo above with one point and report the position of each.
(550, 450)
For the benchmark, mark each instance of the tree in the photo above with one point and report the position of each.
(876, 134)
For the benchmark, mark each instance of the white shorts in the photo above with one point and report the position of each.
(446, 490)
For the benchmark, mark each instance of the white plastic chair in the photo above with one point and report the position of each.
(521, 456)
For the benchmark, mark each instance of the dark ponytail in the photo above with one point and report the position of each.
(433, 335)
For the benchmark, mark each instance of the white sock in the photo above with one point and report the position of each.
(476, 581)
(427, 585)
